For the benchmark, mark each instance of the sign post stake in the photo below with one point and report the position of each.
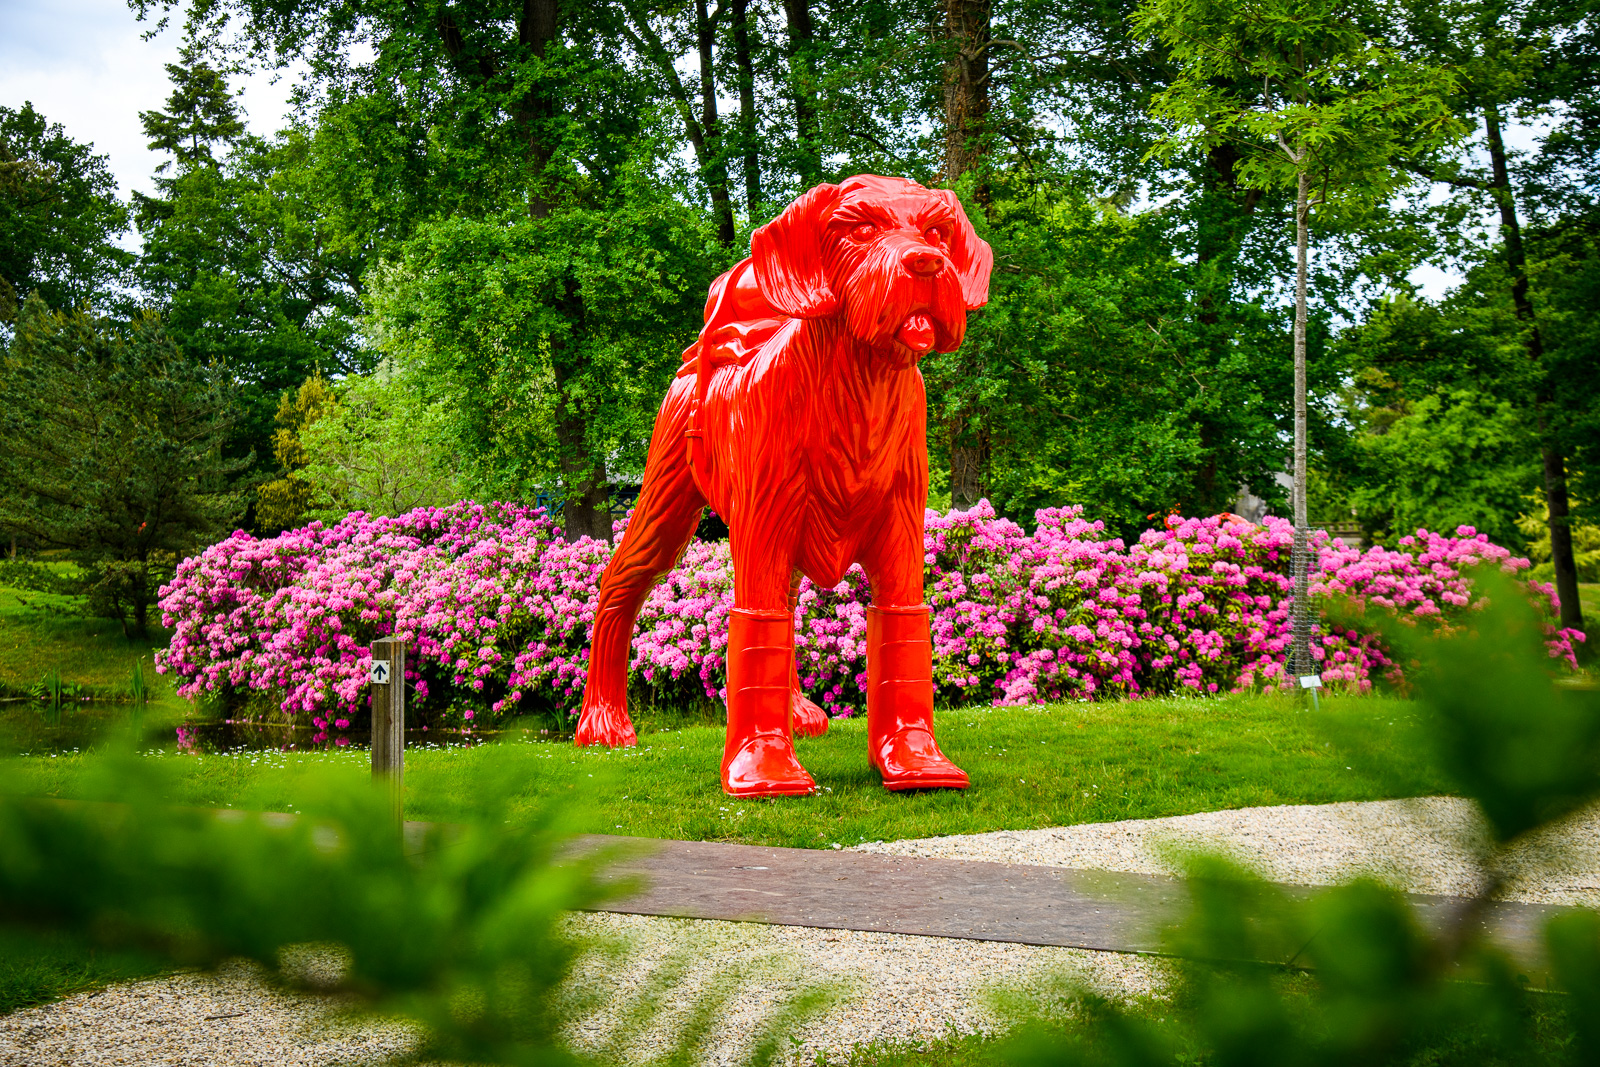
(388, 680)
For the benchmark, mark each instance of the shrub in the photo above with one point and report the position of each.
(498, 610)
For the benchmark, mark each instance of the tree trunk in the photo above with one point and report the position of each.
(539, 25)
(586, 509)
(967, 463)
(802, 82)
(1302, 208)
(966, 87)
(747, 109)
(716, 163)
(1301, 663)
(966, 106)
(1551, 455)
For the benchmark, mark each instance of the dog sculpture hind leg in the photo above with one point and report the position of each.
(664, 521)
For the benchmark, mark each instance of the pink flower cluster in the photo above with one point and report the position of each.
(497, 610)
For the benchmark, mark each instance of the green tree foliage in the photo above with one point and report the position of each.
(283, 502)
(473, 314)
(1089, 369)
(59, 217)
(1456, 458)
(201, 112)
(1440, 438)
(1442, 404)
(239, 253)
(111, 447)
(381, 448)
(1514, 59)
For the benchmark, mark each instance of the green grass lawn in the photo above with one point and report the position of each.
(1589, 598)
(36, 968)
(1030, 767)
(42, 631)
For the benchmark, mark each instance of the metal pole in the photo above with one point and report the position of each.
(388, 680)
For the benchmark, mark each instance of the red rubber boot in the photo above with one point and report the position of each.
(758, 759)
(900, 702)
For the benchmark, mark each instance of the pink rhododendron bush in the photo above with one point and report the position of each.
(497, 610)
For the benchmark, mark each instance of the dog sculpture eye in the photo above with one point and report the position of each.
(864, 232)
(939, 235)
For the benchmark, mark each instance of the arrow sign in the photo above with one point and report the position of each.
(380, 672)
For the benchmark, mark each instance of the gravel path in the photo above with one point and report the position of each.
(887, 986)
(1426, 845)
(226, 1019)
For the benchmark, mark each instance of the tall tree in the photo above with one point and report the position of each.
(254, 273)
(1499, 47)
(704, 129)
(59, 217)
(744, 65)
(968, 35)
(201, 112)
(1337, 115)
(802, 55)
(111, 440)
(499, 100)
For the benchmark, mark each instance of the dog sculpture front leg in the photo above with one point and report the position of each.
(758, 757)
(900, 737)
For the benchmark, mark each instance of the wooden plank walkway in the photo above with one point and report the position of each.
(950, 898)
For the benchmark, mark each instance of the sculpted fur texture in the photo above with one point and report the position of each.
(799, 416)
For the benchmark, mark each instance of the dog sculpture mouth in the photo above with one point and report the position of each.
(916, 333)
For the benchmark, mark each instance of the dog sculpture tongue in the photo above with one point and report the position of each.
(916, 333)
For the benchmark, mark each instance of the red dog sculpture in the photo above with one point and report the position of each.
(799, 416)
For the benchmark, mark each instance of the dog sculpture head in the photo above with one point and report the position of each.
(900, 263)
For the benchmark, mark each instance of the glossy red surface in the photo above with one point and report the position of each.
(799, 416)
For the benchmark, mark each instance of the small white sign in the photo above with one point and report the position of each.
(1311, 681)
(380, 672)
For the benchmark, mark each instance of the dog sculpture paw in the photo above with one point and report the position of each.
(604, 723)
(910, 759)
(766, 766)
(809, 720)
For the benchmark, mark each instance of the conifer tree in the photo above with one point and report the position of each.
(201, 111)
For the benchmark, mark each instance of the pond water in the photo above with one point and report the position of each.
(29, 731)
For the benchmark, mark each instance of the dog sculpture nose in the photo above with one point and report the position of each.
(924, 261)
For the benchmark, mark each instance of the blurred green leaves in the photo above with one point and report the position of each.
(1287, 977)
(1523, 747)
(463, 934)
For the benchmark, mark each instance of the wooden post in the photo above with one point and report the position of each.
(388, 681)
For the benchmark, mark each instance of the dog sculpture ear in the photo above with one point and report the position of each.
(787, 253)
(974, 259)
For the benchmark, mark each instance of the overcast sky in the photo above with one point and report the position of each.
(82, 64)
